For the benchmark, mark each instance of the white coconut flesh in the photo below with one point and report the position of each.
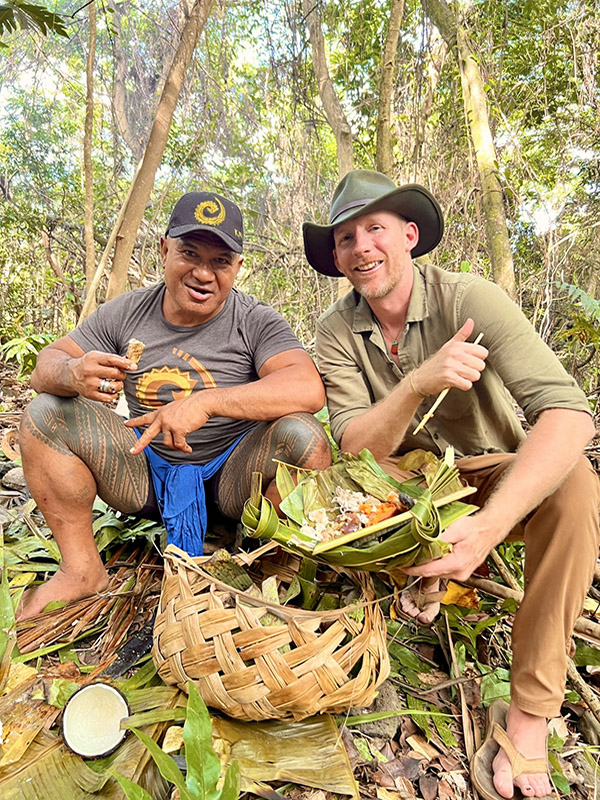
(91, 720)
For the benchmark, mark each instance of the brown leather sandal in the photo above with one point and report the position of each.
(496, 738)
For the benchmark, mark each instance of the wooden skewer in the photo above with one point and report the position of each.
(439, 399)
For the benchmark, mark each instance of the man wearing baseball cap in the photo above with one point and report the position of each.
(222, 387)
(386, 350)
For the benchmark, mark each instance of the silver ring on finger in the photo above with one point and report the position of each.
(105, 386)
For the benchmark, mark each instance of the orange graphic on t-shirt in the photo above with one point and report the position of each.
(148, 386)
(207, 378)
(150, 383)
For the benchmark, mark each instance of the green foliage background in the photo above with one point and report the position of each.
(250, 124)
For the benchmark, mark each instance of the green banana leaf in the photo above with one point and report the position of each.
(411, 537)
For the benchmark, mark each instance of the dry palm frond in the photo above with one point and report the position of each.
(113, 610)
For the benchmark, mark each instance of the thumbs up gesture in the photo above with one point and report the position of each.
(457, 364)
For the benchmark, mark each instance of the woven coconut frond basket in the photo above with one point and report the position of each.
(258, 660)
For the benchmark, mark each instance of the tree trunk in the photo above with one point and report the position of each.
(384, 158)
(120, 101)
(478, 120)
(331, 103)
(88, 177)
(144, 180)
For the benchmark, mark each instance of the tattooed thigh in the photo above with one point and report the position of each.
(297, 439)
(74, 427)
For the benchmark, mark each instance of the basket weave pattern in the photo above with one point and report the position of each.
(296, 664)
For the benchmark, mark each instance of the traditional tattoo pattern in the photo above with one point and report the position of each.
(297, 439)
(79, 428)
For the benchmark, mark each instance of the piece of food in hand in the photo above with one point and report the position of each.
(135, 349)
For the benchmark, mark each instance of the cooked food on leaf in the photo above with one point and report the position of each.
(354, 514)
(351, 512)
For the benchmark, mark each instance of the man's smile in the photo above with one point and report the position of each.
(370, 265)
(198, 292)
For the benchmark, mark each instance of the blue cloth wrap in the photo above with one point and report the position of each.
(179, 490)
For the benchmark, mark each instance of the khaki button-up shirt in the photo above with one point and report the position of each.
(358, 370)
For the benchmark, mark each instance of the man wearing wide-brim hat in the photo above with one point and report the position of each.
(409, 331)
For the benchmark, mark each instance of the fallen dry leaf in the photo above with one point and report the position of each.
(458, 595)
(428, 786)
(404, 767)
(404, 787)
(387, 794)
(173, 741)
(420, 745)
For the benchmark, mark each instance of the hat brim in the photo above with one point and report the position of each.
(412, 201)
(182, 230)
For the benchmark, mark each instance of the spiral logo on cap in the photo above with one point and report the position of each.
(210, 212)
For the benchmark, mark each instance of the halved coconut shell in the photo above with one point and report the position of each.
(91, 720)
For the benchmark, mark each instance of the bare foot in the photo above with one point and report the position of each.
(415, 603)
(62, 587)
(528, 734)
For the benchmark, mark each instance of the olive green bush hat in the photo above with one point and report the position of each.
(362, 191)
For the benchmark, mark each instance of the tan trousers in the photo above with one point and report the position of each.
(561, 548)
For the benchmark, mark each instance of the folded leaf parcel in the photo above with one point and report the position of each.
(354, 514)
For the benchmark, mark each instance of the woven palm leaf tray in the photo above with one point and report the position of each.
(255, 658)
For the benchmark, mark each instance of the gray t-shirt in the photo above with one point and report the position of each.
(228, 350)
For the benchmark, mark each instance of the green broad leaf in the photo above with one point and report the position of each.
(7, 614)
(372, 483)
(556, 743)
(60, 691)
(406, 675)
(106, 537)
(68, 653)
(559, 781)
(131, 789)
(408, 488)
(293, 590)
(284, 481)
(166, 766)
(293, 504)
(152, 717)
(494, 687)
(486, 623)
(423, 719)
(408, 658)
(460, 651)
(586, 656)
(444, 732)
(363, 748)
(53, 605)
(142, 700)
(509, 606)
(140, 677)
(203, 765)
(231, 783)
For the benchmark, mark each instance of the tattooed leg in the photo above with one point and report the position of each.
(72, 450)
(297, 439)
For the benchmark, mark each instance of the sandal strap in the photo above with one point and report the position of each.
(519, 764)
(423, 599)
